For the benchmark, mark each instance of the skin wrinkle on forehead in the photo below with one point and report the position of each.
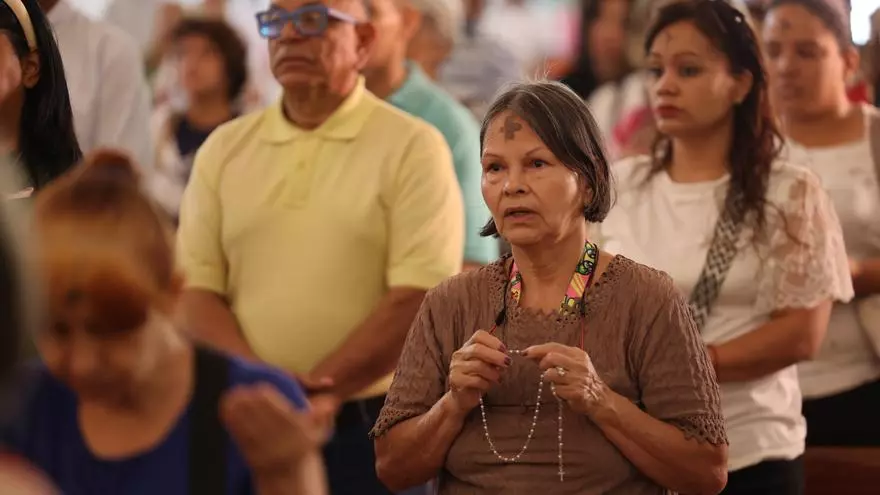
(511, 127)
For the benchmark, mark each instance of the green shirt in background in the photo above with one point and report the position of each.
(421, 97)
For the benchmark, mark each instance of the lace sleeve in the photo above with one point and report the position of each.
(807, 261)
(674, 372)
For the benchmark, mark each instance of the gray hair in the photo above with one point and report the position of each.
(447, 16)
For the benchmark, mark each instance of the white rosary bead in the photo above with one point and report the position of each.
(525, 446)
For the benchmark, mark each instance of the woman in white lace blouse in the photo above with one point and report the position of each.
(753, 240)
(810, 58)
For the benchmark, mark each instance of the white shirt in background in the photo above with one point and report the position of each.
(613, 101)
(669, 226)
(107, 85)
(135, 17)
(846, 359)
(241, 15)
(533, 32)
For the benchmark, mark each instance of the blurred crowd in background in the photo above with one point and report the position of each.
(206, 63)
(201, 113)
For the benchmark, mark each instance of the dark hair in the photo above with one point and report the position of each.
(582, 78)
(564, 123)
(232, 49)
(834, 14)
(47, 142)
(12, 308)
(756, 139)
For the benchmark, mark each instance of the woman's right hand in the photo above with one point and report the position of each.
(475, 368)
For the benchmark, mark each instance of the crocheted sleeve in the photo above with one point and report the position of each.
(807, 261)
(675, 376)
(420, 379)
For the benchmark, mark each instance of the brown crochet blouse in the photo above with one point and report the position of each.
(643, 344)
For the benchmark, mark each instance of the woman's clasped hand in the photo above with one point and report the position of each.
(257, 416)
(572, 373)
(483, 359)
(475, 368)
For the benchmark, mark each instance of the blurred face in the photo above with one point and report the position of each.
(327, 62)
(429, 49)
(200, 66)
(606, 39)
(533, 197)
(692, 89)
(387, 19)
(808, 71)
(106, 332)
(101, 364)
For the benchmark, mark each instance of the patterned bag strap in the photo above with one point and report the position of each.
(719, 258)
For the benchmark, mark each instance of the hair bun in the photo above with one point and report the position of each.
(108, 163)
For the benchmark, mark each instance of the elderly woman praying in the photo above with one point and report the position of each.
(561, 367)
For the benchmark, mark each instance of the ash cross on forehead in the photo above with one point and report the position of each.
(511, 126)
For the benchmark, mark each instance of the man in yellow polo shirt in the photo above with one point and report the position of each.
(310, 231)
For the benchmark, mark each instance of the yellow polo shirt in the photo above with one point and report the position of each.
(305, 231)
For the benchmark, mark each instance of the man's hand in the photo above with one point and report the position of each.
(313, 385)
(324, 403)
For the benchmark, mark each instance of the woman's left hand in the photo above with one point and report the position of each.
(273, 437)
(571, 371)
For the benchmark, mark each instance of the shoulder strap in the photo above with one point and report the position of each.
(207, 441)
(719, 258)
(874, 137)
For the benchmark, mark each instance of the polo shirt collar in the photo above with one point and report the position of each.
(410, 90)
(345, 123)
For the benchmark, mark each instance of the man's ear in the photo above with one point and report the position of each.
(30, 69)
(366, 33)
(411, 20)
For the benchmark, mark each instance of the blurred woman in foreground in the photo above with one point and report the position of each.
(124, 403)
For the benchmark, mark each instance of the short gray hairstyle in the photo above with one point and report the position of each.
(446, 15)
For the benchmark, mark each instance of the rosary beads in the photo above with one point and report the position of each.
(518, 455)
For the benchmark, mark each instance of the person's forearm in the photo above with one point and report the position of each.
(413, 451)
(866, 277)
(209, 319)
(783, 341)
(661, 451)
(373, 349)
(308, 478)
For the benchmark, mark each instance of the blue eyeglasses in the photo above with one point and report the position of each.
(308, 21)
